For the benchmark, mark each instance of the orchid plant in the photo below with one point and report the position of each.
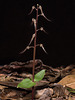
(28, 83)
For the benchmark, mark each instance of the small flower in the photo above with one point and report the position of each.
(33, 7)
(34, 21)
(37, 5)
(42, 14)
(33, 36)
(28, 47)
(41, 45)
(41, 29)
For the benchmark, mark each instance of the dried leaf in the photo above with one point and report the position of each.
(68, 81)
(70, 98)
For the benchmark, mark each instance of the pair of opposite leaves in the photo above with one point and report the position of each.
(28, 83)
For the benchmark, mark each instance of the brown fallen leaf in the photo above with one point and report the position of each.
(70, 98)
(11, 94)
(47, 91)
(68, 81)
(71, 85)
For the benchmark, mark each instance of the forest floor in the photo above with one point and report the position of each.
(58, 83)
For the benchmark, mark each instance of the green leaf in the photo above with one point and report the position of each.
(39, 76)
(71, 90)
(26, 83)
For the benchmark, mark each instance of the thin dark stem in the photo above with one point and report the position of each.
(34, 52)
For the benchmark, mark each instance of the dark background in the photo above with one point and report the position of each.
(16, 31)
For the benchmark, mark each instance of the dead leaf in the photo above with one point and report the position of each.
(68, 81)
(11, 94)
(70, 98)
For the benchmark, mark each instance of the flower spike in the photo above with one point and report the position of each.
(41, 45)
(42, 14)
(33, 7)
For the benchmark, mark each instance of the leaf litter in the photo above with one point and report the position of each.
(59, 81)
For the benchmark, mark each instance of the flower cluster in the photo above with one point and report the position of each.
(39, 7)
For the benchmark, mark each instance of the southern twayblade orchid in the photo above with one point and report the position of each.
(35, 22)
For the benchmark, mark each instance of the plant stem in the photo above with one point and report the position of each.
(34, 52)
